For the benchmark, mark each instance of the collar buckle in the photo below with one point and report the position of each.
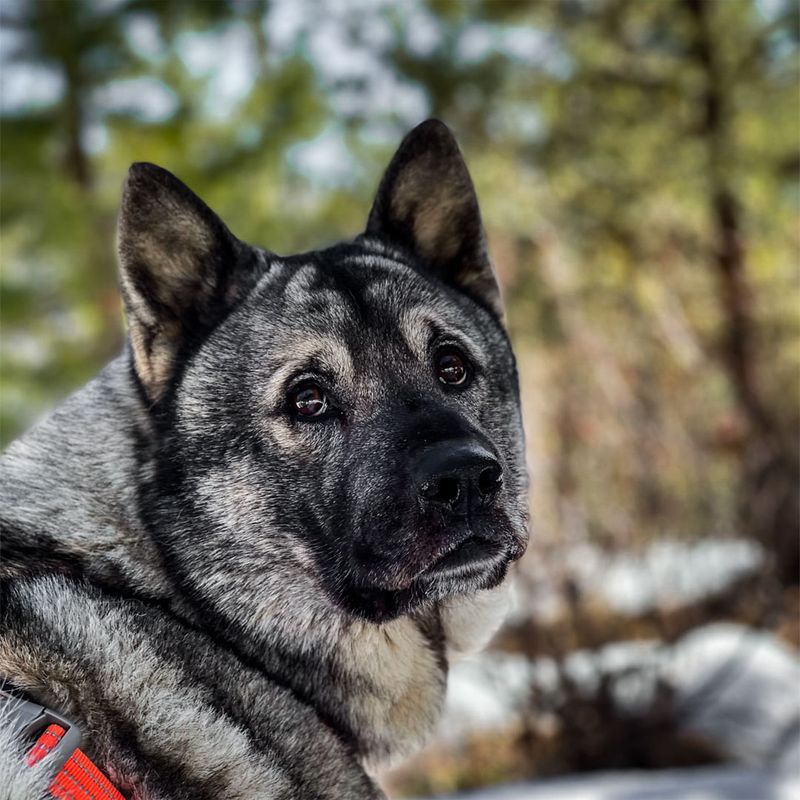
(28, 719)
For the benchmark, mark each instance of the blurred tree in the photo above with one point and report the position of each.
(55, 241)
(120, 90)
(771, 461)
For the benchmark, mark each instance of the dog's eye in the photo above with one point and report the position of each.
(309, 401)
(452, 367)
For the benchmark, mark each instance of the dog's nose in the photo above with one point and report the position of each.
(457, 476)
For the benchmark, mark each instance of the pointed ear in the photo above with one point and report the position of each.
(427, 204)
(181, 271)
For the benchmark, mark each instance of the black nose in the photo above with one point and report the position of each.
(457, 476)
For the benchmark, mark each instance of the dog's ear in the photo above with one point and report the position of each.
(181, 270)
(426, 203)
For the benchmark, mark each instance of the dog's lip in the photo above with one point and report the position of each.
(378, 602)
(436, 561)
(471, 556)
(518, 548)
(465, 558)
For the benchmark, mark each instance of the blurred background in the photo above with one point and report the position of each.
(637, 165)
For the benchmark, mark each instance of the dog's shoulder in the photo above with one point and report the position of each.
(144, 683)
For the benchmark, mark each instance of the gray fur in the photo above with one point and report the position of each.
(231, 601)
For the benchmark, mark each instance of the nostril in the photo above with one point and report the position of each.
(442, 490)
(489, 480)
(449, 490)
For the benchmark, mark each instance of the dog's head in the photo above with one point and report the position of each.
(353, 411)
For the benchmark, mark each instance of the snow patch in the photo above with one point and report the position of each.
(710, 783)
(736, 686)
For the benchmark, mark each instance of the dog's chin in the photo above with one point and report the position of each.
(380, 605)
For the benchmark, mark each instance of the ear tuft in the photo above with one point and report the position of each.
(427, 204)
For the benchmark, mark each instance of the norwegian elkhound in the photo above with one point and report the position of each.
(241, 559)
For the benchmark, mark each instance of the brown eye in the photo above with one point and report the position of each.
(451, 367)
(309, 401)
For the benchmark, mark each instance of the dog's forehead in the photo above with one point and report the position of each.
(364, 299)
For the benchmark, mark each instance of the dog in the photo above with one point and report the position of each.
(241, 559)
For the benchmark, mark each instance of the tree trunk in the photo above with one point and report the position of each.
(770, 506)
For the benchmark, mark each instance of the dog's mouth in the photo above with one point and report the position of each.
(409, 568)
(473, 565)
(432, 549)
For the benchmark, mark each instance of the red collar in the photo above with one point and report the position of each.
(59, 739)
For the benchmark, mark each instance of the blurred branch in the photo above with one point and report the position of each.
(772, 472)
